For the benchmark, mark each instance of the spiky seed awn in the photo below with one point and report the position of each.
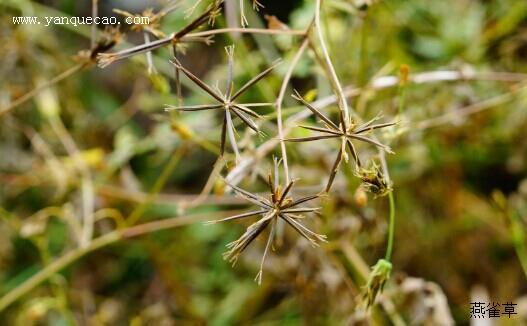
(105, 59)
(346, 131)
(227, 101)
(278, 206)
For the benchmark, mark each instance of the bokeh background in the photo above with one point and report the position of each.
(460, 180)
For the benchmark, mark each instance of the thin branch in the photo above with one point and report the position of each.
(343, 104)
(199, 107)
(280, 100)
(149, 61)
(315, 111)
(197, 81)
(232, 137)
(106, 59)
(249, 31)
(255, 79)
(235, 217)
(268, 246)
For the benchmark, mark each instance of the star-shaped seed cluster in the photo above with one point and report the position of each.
(347, 131)
(278, 206)
(227, 102)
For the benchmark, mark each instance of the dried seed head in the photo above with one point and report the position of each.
(374, 181)
(276, 207)
(106, 59)
(347, 131)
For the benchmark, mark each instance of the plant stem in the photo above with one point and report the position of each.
(247, 30)
(391, 229)
(279, 102)
(342, 103)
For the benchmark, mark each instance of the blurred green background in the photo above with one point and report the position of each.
(460, 183)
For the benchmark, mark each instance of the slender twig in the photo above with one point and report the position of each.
(105, 59)
(279, 102)
(149, 61)
(391, 228)
(342, 103)
(248, 31)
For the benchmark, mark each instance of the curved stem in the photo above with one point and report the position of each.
(279, 102)
(391, 230)
(247, 30)
(342, 103)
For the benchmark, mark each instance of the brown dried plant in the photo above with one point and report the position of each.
(227, 101)
(346, 131)
(243, 19)
(278, 206)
